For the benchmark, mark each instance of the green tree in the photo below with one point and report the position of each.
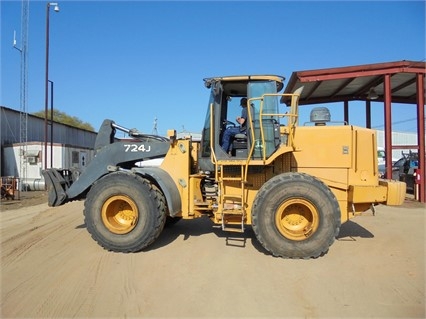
(62, 117)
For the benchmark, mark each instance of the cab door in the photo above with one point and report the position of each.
(213, 126)
(265, 126)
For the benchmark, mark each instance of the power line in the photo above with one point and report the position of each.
(398, 122)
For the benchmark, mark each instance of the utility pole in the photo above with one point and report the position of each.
(46, 91)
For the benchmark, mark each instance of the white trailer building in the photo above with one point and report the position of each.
(67, 146)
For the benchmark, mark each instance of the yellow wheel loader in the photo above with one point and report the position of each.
(294, 184)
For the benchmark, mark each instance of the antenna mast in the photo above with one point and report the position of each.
(23, 114)
(154, 129)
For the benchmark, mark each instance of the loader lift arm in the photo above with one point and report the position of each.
(64, 185)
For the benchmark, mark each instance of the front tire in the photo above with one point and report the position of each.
(296, 216)
(124, 212)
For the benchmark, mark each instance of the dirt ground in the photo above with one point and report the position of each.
(51, 268)
(24, 199)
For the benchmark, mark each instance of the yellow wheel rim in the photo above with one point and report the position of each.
(297, 219)
(120, 214)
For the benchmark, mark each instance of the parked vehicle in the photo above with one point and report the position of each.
(403, 169)
(381, 156)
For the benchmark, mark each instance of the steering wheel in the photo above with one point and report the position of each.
(229, 123)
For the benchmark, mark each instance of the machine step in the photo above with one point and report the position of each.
(238, 227)
(234, 229)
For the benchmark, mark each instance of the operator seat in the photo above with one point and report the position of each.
(240, 141)
(239, 145)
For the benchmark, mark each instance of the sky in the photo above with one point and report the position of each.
(137, 62)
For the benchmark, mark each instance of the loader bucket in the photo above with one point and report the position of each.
(56, 186)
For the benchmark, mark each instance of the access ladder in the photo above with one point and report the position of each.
(231, 204)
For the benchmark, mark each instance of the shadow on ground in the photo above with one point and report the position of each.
(350, 230)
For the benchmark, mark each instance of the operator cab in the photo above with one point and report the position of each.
(261, 137)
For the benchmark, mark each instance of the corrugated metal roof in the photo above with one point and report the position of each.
(62, 133)
(355, 82)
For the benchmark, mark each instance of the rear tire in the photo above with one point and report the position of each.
(124, 212)
(296, 216)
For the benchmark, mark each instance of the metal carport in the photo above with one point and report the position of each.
(398, 82)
